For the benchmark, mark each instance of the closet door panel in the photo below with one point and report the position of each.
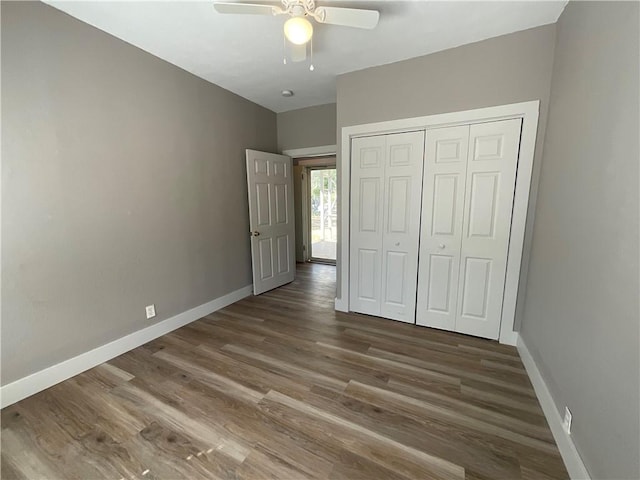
(403, 173)
(368, 157)
(440, 284)
(491, 173)
(476, 276)
(441, 233)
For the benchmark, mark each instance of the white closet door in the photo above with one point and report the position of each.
(490, 185)
(365, 250)
(441, 236)
(401, 221)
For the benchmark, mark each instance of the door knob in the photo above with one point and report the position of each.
(254, 234)
(441, 246)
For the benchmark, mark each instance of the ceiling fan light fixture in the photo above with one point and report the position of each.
(298, 30)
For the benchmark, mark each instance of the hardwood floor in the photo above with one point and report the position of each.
(281, 386)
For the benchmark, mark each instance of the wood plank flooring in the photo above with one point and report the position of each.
(281, 386)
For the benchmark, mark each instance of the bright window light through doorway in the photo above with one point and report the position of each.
(324, 222)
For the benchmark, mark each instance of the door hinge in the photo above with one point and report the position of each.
(304, 248)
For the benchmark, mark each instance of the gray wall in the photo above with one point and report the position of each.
(123, 184)
(508, 69)
(581, 317)
(307, 127)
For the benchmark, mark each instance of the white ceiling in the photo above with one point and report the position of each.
(243, 53)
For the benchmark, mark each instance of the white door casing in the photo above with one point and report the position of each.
(441, 233)
(271, 219)
(385, 216)
(488, 207)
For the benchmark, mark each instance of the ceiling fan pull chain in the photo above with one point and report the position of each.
(284, 50)
(311, 67)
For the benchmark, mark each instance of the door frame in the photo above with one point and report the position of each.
(310, 152)
(528, 112)
(306, 215)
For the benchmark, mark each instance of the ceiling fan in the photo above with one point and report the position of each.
(298, 29)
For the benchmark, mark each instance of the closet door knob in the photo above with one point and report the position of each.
(441, 246)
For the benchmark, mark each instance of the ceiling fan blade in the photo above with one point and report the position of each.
(298, 53)
(246, 8)
(348, 17)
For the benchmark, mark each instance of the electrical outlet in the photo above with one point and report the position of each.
(567, 420)
(151, 311)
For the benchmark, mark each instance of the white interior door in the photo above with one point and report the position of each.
(488, 208)
(367, 194)
(401, 222)
(271, 219)
(386, 174)
(441, 235)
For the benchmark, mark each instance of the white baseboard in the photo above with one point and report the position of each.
(570, 456)
(36, 382)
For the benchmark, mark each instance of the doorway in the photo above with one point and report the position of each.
(322, 214)
(305, 159)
